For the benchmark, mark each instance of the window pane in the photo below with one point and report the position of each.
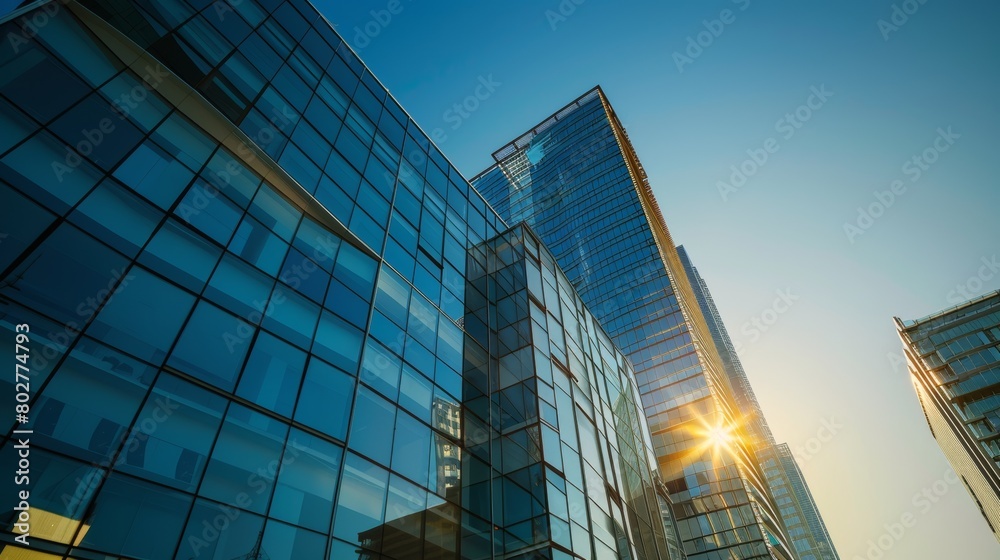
(307, 482)
(257, 244)
(240, 288)
(181, 255)
(154, 173)
(137, 519)
(361, 501)
(237, 538)
(210, 347)
(380, 369)
(87, 408)
(117, 216)
(57, 186)
(325, 403)
(371, 435)
(173, 434)
(206, 210)
(245, 460)
(411, 450)
(272, 375)
(124, 321)
(291, 316)
(337, 342)
(284, 542)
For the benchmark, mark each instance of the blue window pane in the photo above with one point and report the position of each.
(312, 143)
(117, 216)
(371, 434)
(307, 482)
(135, 101)
(355, 270)
(211, 347)
(337, 342)
(203, 208)
(347, 304)
(334, 199)
(86, 410)
(260, 130)
(239, 287)
(393, 296)
(184, 141)
(304, 171)
(14, 126)
(181, 255)
(257, 244)
(240, 529)
(275, 213)
(272, 374)
(412, 448)
(404, 514)
(95, 130)
(42, 168)
(361, 502)
(137, 519)
(245, 460)
(370, 232)
(325, 403)
(291, 316)
(42, 281)
(380, 369)
(352, 148)
(416, 393)
(24, 222)
(206, 39)
(154, 173)
(124, 320)
(317, 243)
(40, 85)
(284, 542)
(304, 275)
(171, 437)
(228, 174)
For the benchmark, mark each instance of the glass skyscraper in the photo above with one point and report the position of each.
(258, 314)
(954, 363)
(794, 503)
(577, 181)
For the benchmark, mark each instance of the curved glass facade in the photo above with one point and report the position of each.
(266, 318)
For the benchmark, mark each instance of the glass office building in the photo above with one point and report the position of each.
(954, 363)
(577, 181)
(794, 502)
(803, 523)
(265, 317)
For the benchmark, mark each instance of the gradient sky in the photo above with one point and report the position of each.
(828, 357)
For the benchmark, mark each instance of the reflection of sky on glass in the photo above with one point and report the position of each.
(828, 357)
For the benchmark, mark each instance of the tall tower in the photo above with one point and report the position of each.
(577, 181)
(954, 363)
(798, 511)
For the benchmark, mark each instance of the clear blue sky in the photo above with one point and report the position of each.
(826, 356)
